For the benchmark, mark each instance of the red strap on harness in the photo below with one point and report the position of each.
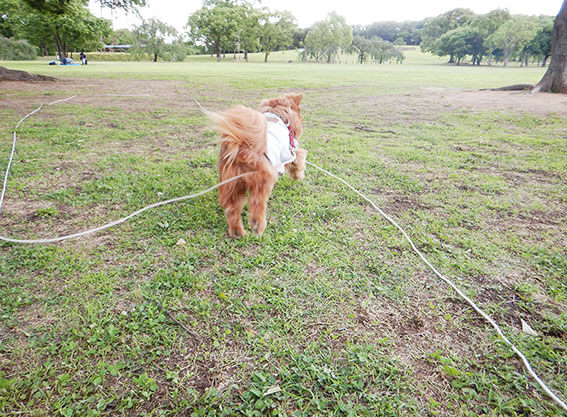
(291, 139)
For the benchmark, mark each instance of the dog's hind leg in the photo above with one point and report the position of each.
(259, 194)
(233, 203)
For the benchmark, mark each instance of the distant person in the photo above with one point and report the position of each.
(83, 58)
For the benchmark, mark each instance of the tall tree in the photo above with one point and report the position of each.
(276, 31)
(555, 78)
(436, 27)
(383, 51)
(63, 24)
(326, 38)
(248, 32)
(215, 26)
(455, 43)
(540, 45)
(151, 37)
(362, 47)
(68, 22)
(485, 25)
(512, 36)
(299, 41)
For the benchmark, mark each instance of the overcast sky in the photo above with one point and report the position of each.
(357, 12)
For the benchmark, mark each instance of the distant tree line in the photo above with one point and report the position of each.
(399, 33)
(233, 26)
(223, 27)
(496, 35)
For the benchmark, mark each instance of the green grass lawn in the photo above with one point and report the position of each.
(329, 312)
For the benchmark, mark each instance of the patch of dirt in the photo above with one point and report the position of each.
(400, 203)
(507, 101)
(425, 104)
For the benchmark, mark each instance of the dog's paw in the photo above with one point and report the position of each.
(258, 226)
(237, 233)
(297, 175)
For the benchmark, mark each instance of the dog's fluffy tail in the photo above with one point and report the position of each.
(243, 131)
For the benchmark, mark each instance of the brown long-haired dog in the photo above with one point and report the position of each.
(261, 142)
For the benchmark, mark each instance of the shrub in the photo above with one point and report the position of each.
(16, 50)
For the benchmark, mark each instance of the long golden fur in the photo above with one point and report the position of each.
(243, 147)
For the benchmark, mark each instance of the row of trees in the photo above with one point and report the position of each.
(459, 33)
(224, 26)
(398, 33)
(58, 25)
(231, 25)
(219, 27)
(54, 25)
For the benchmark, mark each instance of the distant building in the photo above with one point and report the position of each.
(116, 48)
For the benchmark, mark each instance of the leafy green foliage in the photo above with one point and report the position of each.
(276, 30)
(435, 27)
(461, 42)
(60, 25)
(215, 27)
(151, 38)
(379, 50)
(13, 50)
(328, 37)
(513, 35)
(399, 33)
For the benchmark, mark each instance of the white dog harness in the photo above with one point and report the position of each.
(281, 144)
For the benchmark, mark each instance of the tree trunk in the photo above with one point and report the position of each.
(59, 45)
(266, 57)
(555, 78)
(218, 53)
(544, 62)
(155, 56)
(507, 54)
(246, 54)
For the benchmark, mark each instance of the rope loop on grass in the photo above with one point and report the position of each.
(99, 228)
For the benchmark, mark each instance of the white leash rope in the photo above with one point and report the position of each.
(484, 315)
(11, 158)
(123, 219)
(96, 229)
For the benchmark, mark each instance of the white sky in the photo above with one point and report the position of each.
(357, 12)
